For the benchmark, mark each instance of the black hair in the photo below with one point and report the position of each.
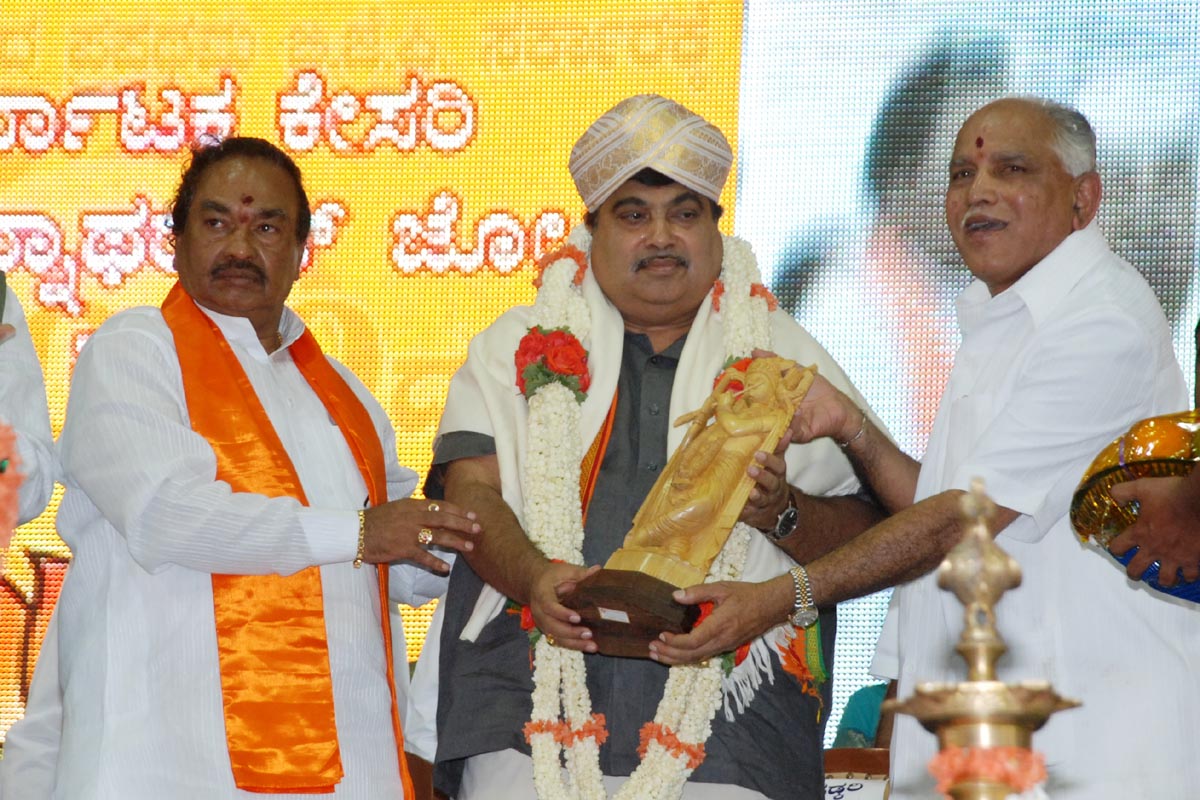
(208, 153)
(652, 177)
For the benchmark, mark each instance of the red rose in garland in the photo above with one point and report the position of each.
(566, 356)
(553, 356)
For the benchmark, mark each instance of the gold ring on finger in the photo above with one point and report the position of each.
(434, 507)
(550, 640)
(424, 536)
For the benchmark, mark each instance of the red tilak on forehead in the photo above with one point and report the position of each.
(979, 141)
(247, 200)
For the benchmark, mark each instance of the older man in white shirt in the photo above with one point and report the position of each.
(225, 483)
(1064, 346)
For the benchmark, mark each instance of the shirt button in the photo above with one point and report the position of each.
(655, 360)
(654, 409)
(652, 467)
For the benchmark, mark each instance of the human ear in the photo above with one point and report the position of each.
(1087, 200)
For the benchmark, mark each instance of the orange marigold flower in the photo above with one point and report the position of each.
(758, 290)
(594, 728)
(666, 738)
(1016, 767)
(566, 251)
(558, 728)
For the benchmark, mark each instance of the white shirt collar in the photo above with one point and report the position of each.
(1041, 288)
(238, 330)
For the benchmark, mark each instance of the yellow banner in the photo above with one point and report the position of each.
(433, 138)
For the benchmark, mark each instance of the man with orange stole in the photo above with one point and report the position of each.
(226, 483)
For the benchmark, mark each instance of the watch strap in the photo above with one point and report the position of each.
(804, 613)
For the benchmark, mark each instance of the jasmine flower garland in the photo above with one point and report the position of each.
(551, 371)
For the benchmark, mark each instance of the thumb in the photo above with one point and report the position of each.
(801, 430)
(697, 594)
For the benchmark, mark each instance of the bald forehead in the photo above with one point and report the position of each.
(1011, 116)
(1006, 130)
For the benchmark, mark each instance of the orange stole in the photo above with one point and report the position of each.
(593, 459)
(274, 658)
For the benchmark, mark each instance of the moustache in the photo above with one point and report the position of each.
(645, 262)
(241, 265)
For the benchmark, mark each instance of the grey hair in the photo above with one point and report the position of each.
(1074, 139)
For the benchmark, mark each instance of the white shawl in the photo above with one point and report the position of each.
(484, 398)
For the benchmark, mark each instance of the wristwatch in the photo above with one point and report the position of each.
(786, 524)
(804, 613)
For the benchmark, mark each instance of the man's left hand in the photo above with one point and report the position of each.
(742, 612)
(769, 496)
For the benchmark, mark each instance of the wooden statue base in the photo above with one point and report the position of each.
(627, 610)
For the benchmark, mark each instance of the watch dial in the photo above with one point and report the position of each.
(786, 524)
(804, 617)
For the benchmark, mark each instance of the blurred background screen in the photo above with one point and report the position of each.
(433, 139)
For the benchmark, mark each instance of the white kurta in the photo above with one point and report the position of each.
(1049, 372)
(148, 524)
(23, 407)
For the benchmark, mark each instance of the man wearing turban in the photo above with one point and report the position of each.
(657, 292)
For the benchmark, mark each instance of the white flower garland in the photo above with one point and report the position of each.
(562, 718)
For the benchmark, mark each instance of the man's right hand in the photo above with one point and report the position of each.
(558, 623)
(393, 532)
(825, 411)
(508, 561)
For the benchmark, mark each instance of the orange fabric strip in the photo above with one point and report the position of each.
(356, 425)
(593, 459)
(274, 658)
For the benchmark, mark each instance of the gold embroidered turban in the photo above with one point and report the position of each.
(649, 131)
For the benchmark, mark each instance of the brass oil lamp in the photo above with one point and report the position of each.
(984, 727)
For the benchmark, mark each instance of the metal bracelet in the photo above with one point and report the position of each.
(362, 536)
(861, 430)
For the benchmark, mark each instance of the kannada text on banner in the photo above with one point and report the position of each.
(433, 139)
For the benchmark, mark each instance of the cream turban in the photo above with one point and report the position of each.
(649, 131)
